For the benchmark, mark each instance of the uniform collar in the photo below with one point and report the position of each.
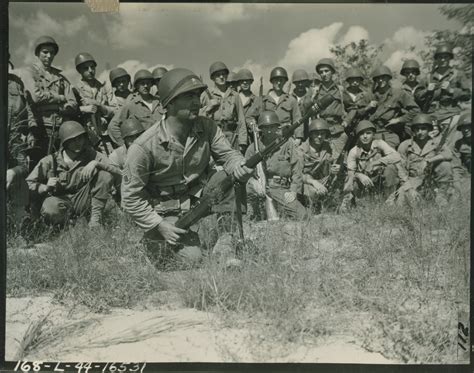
(163, 135)
(95, 83)
(39, 65)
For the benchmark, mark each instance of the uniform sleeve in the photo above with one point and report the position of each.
(390, 155)
(255, 109)
(241, 124)
(296, 170)
(411, 108)
(352, 159)
(222, 152)
(445, 153)
(134, 197)
(205, 110)
(113, 128)
(38, 94)
(39, 175)
(462, 88)
(105, 164)
(296, 116)
(71, 101)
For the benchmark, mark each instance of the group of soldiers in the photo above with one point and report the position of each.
(155, 148)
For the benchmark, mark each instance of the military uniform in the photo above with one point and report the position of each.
(463, 151)
(229, 115)
(135, 107)
(284, 174)
(418, 91)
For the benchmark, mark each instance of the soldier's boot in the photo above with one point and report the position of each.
(348, 201)
(97, 210)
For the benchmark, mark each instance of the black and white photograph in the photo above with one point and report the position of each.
(237, 183)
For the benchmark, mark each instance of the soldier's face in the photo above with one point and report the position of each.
(186, 105)
(326, 73)
(121, 84)
(366, 136)
(245, 84)
(354, 82)
(46, 54)
(466, 131)
(220, 77)
(270, 132)
(87, 70)
(382, 81)
(143, 86)
(421, 131)
(318, 137)
(443, 59)
(301, 85)
(76, 144)
(411, 74)
(278, 83)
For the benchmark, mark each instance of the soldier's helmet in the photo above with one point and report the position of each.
(354, 73)
(328, 62)
(116, 73)
(412, 65)
(382, 71)
(83, 58)
(159, 72)
(131, 127)
(422, 118)
(69, 130)
(45, 40)
(268, 118)
(217, 66)
(142, 75)
(444, 48)
(315, 76)
(363, 125)
(318, 125)
(245, 74)
(232, 77)
(176, 82)
(300, 75)
(278, 72)
(465, 120)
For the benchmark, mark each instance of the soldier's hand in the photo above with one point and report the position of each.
(444, 85)
(365, 180)
(62, 99)
(320, 189)
(170, 232)
(89, 109)
(88, 171)
(431, 86)
(10, 177)
(289, 197)
(297, 141)
(242, 173)
(393, 121)
(373, 104)
(335, 168)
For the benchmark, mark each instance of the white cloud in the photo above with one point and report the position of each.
(407, 37)
(354, 34)
(396, 59)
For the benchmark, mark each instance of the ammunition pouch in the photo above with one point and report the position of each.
(175, 199)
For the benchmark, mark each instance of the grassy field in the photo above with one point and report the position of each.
(393, 278)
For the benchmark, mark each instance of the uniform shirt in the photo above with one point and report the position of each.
(247, 102)
(156, 163)
(356, 105)
(95, 92)
(459, 87)
(419, 92)
(45, 86)
(135, 108)
(117, 101)
(315, 163)
(285, 163)
(68, 174)
(394, 103)
(413, 157)
(229, 112)
(360, 160)
(463, 151)
(118, 156)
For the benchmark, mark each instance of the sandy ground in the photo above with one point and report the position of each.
(152, 335)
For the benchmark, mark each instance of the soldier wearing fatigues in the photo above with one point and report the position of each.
(245, 79)
(302, 82)
(50, 96)
(417, 89)
(120, 81)
(283, 171)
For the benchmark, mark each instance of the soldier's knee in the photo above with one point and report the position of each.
(444, 172)
(55, 210)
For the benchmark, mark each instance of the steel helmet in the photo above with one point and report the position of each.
(82, 58)
(422, 119)
(245, 74)
(315, 76)
(354, 73)
(326, 62)
(176, 82)
(159, 72)
(131, 127)
(42, 40)
(268, 118)
(232, 77)
(217, 66)
(278, 72)
(300, 75)
(116, 73)
(69, 130)
(444, 48)
(381, 71)
(363, 125)
(410, 64)
(464, 120)
(318, 125)
(142, 75)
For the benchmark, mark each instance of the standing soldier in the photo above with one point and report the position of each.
(142, 105)
(120, 82)
(335, 113)
(168, 166)
(394, 108)
(93, 97)
(301, 81)
(411, 70)
(283, 104)
(51, 98)
(245, 79)
(72, 181)
(157, 73)
(371, 166)
(221, 104)
(233, 81)
(283, 171)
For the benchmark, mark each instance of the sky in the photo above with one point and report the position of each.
(257, 36)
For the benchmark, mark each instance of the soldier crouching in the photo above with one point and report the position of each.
(72, 181)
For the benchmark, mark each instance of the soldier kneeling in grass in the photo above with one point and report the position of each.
(72, 181)
(427, 161)
(372, 166)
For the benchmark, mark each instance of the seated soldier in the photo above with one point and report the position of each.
(462, 147)
(427, 162)
(283, 171)
(371, 165)
(72, 181)
(316, 155)
(130, 129)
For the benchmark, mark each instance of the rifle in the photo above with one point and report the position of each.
(213, 194)
(54, 118)
(260, 89)
(99, 133)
